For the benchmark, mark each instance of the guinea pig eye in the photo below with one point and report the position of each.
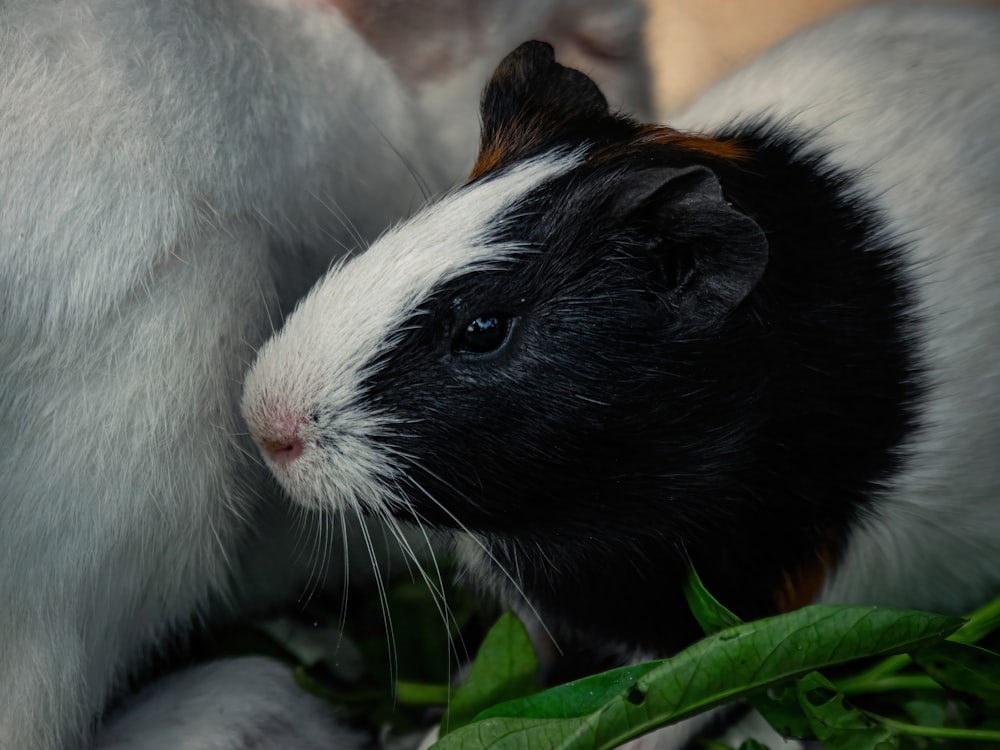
(484, 334)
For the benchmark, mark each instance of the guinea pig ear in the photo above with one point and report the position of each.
(705, 255)
(531, 103)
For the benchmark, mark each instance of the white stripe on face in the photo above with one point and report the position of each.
(315, 365)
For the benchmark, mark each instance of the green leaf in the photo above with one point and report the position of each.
(710, 744)
(711, 615)
(604, 711)
(982, 622)
(779, 706)
(927, 712)
(966, 669)
(581, 697)
(506, 667)
(421, 694)
(781, 709)
(836, 724)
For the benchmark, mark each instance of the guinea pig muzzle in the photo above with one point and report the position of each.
(276, 431)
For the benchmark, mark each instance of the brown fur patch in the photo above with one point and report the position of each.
(701, 144)
(513, 140)
(803, 585)
(506, 147)
(490, 158)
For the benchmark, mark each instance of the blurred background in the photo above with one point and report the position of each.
(695, 42)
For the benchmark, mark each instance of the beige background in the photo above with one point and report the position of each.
(694, 42)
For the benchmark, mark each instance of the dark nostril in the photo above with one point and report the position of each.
(283, 451)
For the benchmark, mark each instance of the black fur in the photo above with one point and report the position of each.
(724, 383)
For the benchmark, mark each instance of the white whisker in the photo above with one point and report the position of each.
(489, 554)
(436, 589)
(315, 552)
(438, 593)
(345, 222)
(346, 575)
(383, 600)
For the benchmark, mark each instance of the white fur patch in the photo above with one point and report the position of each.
(228, 704)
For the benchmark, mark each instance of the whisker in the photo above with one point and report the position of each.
(489, 554)
(311, 583)
(438, 592)
(436, 589)
(267, 308)
(346, 575)
(383, 598)
(417, 178)
(346, 224)
(251, 455)
(456, 650)
(329, 521)
(547, 559)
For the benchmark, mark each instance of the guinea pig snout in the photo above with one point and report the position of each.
(279, 437)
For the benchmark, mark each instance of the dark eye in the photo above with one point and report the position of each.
(484, 334)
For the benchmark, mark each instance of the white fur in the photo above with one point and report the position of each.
(909, 96)
(147, 234)
(230, 704)
(172, 176)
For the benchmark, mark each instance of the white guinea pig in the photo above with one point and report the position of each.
(771, 350)
(172, 176)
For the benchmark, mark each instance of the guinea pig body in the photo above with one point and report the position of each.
(172, 176)
(620, 349)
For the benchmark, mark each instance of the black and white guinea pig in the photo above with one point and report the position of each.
(619, 349)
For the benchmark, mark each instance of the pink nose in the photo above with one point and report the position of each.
(283, 450)
(277, 434)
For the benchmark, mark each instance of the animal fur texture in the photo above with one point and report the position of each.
(172, 176)
(763, 341)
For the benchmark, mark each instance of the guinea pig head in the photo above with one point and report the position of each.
(526, 363)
